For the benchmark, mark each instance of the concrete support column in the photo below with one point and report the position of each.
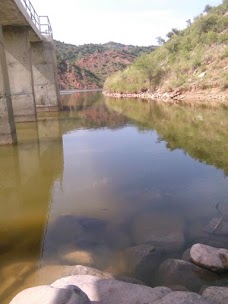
(44, 67)
(7, 124)
(18, 56)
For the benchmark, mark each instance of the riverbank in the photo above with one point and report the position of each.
(177, 96)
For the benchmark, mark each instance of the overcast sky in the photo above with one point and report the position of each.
(136, 22)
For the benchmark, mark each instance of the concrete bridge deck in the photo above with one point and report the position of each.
(28, 66)
(21, 13)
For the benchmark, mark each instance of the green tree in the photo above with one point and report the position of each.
(160, 40)
(207, 8)
(150, 68)
(169, 35)
(189, 22)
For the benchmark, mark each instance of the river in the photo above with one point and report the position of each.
(103, 175)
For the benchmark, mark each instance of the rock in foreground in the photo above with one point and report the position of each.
(217, 295)
(86, 289)
(51, 295)
(105, 291)
(215, 259)
(181, 297)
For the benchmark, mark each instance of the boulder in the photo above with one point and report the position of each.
(106, 291)
(85, 270)
(218, 295)
(181, 297)
(215, 259)
(50, 273)
(51, 295)
(161, 230)
(141, 261)
(184, 273)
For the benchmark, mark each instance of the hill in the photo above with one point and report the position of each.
(193, 63)
(87, 66)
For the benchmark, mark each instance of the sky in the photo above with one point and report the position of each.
(136, 22)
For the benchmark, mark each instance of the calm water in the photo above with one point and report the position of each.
(103, 175)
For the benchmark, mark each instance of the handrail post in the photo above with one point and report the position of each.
(45, 26)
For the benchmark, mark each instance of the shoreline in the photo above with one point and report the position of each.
(176, 96)
(68, 92)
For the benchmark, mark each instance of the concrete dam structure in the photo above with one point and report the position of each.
(28, 67)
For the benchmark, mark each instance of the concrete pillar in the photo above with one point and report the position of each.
(18, 55)
(7, 124)
(44, 67)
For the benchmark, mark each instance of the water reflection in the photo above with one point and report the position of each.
(87, 111)
(200, 132)
(84, 185)
(28, 175)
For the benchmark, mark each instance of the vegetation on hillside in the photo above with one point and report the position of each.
(195, 58)
(87, 66)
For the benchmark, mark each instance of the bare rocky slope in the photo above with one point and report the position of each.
(87, 66)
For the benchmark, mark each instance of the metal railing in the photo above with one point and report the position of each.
(41, 22)
(45, 26)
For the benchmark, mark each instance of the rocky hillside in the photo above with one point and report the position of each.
(192, 62)
(87, 66)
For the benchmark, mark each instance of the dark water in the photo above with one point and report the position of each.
(104, 175)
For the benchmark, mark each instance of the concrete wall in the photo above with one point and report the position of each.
(7, 125)
(18, 56)
(28, 71)
(44, 67)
